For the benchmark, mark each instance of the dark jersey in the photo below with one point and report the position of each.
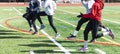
(33, 5)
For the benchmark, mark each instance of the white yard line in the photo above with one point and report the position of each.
(78, 13)
(53, 40)
(18, 11)
(64, 21)
(100, 51)
(56, 43)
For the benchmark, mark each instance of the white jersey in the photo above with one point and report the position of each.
(40, 2)
(88, 5)
(49, 6)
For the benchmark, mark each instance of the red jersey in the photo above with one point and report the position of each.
(96, 11)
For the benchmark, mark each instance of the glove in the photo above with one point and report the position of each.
(80, 15)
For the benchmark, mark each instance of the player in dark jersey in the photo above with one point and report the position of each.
(32, 14)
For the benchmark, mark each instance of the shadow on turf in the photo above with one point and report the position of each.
(38, 45)
(9, 37)
(17, 37)
(7, 31)
(58, 52)
(63, 41)
(45, 51)
(10, 32)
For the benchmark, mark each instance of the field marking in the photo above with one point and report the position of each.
(32, 52)
(100, 51)
(68, 50)
(75, 26)
(17, 29)
(7, 9)
(18, 11)
(78, 13)
(53, 40)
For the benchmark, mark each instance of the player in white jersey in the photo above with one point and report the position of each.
(88, 5)
(50, 6)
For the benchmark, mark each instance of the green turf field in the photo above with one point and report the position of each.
(17, 42)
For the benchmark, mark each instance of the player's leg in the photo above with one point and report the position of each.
(104, 34)
(42, 13)
(105, 31)
(33, 23)
(94, 29)
(40, 21)
(30, 24)
(50, 18)
(80, 23)
(29, 19)
(86, 31)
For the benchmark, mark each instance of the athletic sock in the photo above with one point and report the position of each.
(85, 44)
(105, 33)
(103, 29)
(75, 33)
(31, 27)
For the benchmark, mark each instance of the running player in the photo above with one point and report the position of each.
(88, 5)
(33, 13)
(93, 24)
(50, 6)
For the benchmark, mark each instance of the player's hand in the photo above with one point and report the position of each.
(80, 15)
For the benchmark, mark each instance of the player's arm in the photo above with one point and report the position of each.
(92, 14)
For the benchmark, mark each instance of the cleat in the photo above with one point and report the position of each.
(35, 33)
(83, 49)
(31, 30)
(42, 26)
(71, 37)
(57, 35)
(111, 33)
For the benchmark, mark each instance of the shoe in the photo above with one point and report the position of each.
(42, 26)
(57, 35)
(83, 49)
(31, 30)
(71, 37)
(34, 33)
(111, 33)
